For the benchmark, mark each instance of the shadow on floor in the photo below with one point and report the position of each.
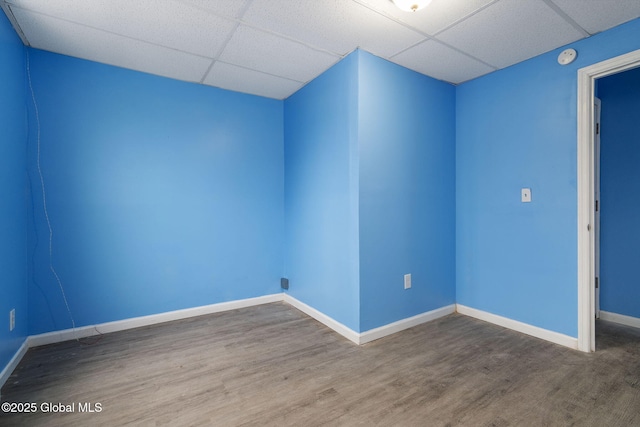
(611, 335)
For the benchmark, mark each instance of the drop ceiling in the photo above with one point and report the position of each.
(272, 48)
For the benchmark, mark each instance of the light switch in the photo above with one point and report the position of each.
(407, 281)
(526, 195)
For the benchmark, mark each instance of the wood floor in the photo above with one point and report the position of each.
(272, 365)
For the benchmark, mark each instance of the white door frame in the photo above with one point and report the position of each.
(586, 239)
(597, 105)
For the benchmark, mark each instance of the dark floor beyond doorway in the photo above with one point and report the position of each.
(272, 365)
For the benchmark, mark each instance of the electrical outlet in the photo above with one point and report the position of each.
(407, 281)
(12, 319)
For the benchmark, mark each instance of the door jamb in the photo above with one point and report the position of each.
(585, 180)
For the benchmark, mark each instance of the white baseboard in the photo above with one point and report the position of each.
(409, 322)
(343, 330)
(620, 318)
(13, 363)
(525, 328)
(136, 322)
(121, 325)
(372, 334)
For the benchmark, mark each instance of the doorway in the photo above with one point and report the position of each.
(620, 243)
(586, 163)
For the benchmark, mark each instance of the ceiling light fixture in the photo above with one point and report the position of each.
(411, 5)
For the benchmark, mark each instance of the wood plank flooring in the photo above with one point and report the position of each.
(271, 365)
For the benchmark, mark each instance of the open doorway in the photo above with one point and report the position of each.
(587, 191)
(618, 210)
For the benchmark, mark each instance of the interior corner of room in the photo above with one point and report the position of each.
(385, 197)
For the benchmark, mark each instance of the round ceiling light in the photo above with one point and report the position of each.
(411, 5)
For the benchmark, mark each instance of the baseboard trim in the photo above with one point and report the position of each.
(136, 322)
(13, 363)
(622, 319)
(525, 328)
(371, 334)
(350, 334)
(409, 322)
(330, 322)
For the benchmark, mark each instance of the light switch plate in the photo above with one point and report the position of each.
(526, 195)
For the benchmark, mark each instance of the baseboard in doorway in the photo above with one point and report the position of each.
(525, 328)
(620, 318)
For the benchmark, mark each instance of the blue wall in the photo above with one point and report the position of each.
(370, 192)
(407, 192)
(13, 186)
(166, 195)
(162, 194)
(321, 196)
(620, 176)
(517, 128)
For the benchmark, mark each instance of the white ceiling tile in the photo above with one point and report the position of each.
(257, 50)
(438, 15)
(164, 22)
(599, 15)
(441, 62)
(339, 26)
(76, 40)
(224, 8)
(232, 77)
(505, 33)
